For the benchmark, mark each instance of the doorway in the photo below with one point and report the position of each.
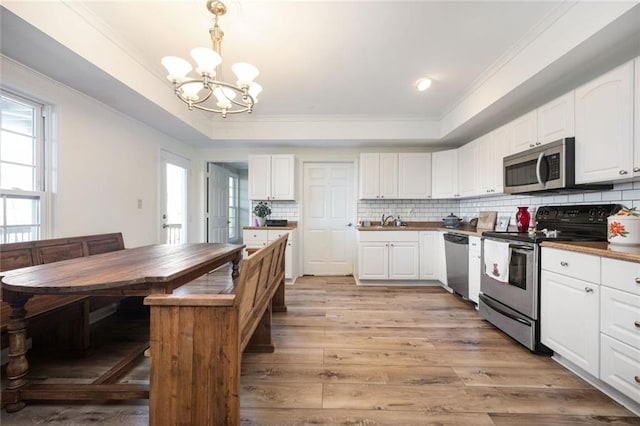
(174, 198)
(227, 203)
(328, 211)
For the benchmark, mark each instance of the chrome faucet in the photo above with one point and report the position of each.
(384, 220)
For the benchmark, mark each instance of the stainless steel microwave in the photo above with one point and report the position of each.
(549, 167)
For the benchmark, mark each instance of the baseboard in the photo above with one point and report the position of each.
(612, 393)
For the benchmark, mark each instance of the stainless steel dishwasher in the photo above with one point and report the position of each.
(456, 249)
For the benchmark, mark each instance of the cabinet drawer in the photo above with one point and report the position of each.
(474, 245)
(274, 234)
(622, 275)
(576, 265)
(620, 315)
(620, 366)
(254, 237)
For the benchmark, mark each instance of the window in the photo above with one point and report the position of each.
(21, 169)
(233, 208)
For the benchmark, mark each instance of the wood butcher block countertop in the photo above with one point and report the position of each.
(425, 226)
(629, 253)
(290, 225)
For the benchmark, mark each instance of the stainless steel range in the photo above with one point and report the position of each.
(510, 300)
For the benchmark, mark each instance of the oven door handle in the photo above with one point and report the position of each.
(520, 247)
(503, 312)
(538, 171)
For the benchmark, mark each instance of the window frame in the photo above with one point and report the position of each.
(42, 173)
(235, 223)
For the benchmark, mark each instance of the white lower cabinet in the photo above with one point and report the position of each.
(595, 326)
(474, 268)
(569, 320)
(620, 367)
(388, 255)
(429, 255)
(257, 238)
(620, 326)
(441, 269)
(404, 260)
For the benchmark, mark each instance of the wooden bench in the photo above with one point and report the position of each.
(71, 311)
(197, 342)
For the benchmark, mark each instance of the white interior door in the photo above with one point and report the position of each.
(174, 196)
(218, 204)
(328, 218)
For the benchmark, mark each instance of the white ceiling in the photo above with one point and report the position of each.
(317, 59)
(332, 57)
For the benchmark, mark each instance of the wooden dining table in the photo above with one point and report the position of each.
(141, 271)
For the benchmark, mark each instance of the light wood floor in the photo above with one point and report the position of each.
(348, 355)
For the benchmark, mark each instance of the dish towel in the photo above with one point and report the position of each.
(496, 260)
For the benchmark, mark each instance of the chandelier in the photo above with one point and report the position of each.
(197, 92)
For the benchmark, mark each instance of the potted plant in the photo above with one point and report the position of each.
(261, 211)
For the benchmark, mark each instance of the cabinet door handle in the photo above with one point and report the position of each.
(623, 172)
(563, 263)
(538, 143)
(636, 169)
(588, 289)
(637, 324)
(531, 145)
(637, 379)
(637, 280)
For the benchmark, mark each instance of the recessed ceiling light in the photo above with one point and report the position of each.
(423, 84)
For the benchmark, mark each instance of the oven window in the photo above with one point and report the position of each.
(518, 270)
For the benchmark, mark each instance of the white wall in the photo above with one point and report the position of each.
(103, 162)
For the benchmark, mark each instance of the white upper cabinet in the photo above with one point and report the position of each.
(378, 175)
(604, 127)
(636, 150)
(524, 132)
(271, 177)
(499, 145)
(414, 175)
(388, 174)
(469, 168)
(444, 168)
(556, 119)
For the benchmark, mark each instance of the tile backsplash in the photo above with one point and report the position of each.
(282, 209)
(627, 194)
(408, 210)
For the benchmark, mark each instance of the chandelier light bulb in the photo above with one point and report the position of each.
(224, 96)
(190, 90)
(207, 60)
(177, 68)
(423, 84)
(245, 72)
(254, 91)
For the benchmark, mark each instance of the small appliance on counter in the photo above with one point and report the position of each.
(277, 222)
(624, 227)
